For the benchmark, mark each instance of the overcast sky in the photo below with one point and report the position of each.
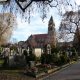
(36, 25)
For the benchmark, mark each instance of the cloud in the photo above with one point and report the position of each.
(77, 2)
(36, 26)
(25, 29)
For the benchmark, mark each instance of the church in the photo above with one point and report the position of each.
(41, 40)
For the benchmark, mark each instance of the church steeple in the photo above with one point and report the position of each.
(51, 20)
(51, 32)
(51, 25)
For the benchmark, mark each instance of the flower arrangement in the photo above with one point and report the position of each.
(34, 69)
(47, 65)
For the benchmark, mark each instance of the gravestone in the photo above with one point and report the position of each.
(48, 49)
(32, 64)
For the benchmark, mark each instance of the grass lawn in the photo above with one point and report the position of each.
(1, 61)
(11, 72)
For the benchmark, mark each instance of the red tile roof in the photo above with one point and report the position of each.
(40, 36)
(37, 40)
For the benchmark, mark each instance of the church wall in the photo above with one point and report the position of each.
(38, 52)
(38, 41)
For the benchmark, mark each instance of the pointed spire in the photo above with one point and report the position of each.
(51, 21)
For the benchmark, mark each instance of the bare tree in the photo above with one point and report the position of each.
(7, 24)
(70, 27)
(27, 7)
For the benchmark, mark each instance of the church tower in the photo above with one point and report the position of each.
(51, 32)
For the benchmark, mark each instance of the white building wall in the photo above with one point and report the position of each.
(38, 52)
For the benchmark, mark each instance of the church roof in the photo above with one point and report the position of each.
(37, 40)
(40, 36)
(40, 40)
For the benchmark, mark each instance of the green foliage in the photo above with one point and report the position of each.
(26, 56)
(30, 57)
(45, 58)
(25, 53)
(1, 61)
(38, 59)
(55, 50)
(14, 48)
(74, 54)
(58, 58)
(45, 49)
(54, 58)
(0, 49)
(54, 55)
(63, 58)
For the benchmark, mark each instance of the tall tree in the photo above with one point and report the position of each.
(70, 27)
(7, 24)
(70, 23)
(28, 7)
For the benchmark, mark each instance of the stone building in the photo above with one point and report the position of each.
(40, 40)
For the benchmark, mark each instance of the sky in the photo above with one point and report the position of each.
(36, 25)
(78, 2)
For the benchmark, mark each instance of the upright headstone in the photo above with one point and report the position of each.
(48, 49)
(32, 64)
